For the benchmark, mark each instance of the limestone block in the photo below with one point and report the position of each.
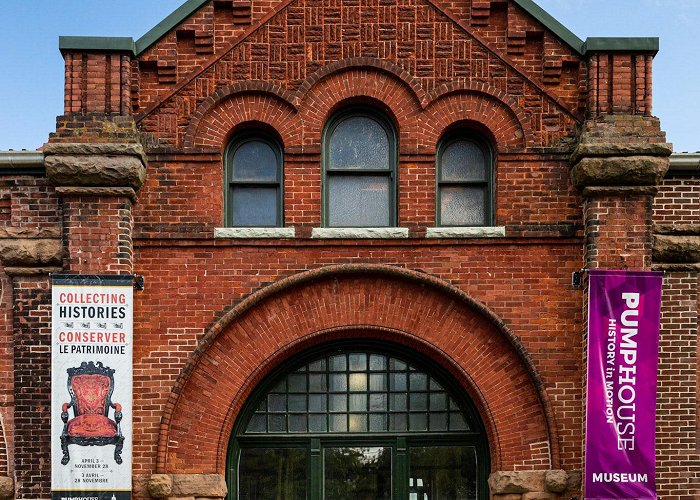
(94, 170)
(573, 482)
(160, 485)
(199, 485)
(502, 482)
(676, 248)
(555, 480)
(538, 495)
(509, 496)
(30, 252)
(97, 149)
(7, 488)
(596, 148)
(619, 171)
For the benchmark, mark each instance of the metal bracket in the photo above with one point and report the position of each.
(577, 278)
(139, 282)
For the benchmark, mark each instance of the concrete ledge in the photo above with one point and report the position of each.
(593, 191)
(359, 232)
(98, 191)
(254, 232)
(466, 232)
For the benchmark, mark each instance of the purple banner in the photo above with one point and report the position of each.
(624, 309)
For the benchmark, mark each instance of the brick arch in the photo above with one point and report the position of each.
(358, 63)
(505, 120)
(213, 121)
(384, 302)
(358, 84)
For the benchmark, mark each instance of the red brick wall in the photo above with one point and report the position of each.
(97, 234)
(678, 201)
(6, 371)
(32, 383)
(677, 426)
(191, 286)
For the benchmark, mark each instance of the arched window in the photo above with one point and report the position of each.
(465, 181)
(358, 422)
(253, 193)
(359, 163)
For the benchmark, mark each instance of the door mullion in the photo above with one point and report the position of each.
(316, 471)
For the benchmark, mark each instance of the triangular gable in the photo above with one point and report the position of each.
(188, 8)
(485, 46)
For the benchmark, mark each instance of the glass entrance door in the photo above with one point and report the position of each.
(358, 424)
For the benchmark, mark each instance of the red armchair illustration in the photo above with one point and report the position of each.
(90, 386)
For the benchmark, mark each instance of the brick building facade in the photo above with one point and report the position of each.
(468, 276)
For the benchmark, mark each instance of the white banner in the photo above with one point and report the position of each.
(91, 387)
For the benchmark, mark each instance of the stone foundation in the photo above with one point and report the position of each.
(187, 486)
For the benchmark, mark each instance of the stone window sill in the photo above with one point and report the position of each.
(466, 232)
(359, 232)
(254, 232)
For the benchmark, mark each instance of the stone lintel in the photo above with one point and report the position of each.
(97, 191)
(600, 191)
(604, 149)
(96, 164)
(678, 229)
(29, 233)
(619, 171)
(30, 252)
(676, 249)
(98, 149)
(31, 271)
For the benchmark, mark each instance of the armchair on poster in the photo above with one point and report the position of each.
(91, 386)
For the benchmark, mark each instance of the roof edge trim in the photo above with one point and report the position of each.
(621, 44)
(541, 15)
(97, 43)
(22, 163)
(166, 25)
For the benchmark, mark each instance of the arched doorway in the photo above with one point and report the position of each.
(358, 420)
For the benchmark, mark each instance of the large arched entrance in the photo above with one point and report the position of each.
(481, 365)
(358, 420)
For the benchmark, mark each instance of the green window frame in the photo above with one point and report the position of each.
(464, 181)
(359, 190)
(382, 371)
(253, 181)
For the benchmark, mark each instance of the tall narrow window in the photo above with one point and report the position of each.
(253, 194)
(465, 182)
(359, 158)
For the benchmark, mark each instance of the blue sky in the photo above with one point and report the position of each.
(32, 84)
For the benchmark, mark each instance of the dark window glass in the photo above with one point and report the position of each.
(465, 185)
(360, 167)
(254, 182)
(272, 473)
(443, 473)
(357, 473)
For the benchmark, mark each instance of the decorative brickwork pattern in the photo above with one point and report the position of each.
(300, 37)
